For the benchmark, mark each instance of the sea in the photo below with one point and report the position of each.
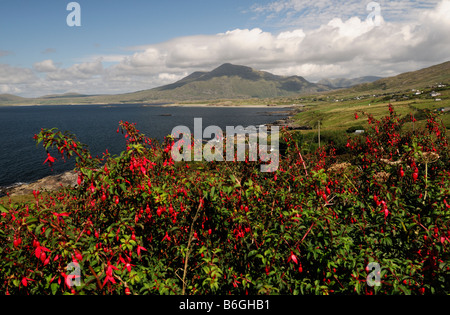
(21, 160)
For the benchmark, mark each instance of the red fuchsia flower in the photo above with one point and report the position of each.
(110, 273)
(139, 248)
(40, 251)
(127, 264)
(446, 204)
(386, 213)
(50, 160)
(36, 193)
(17, 242)
(384, 209)
(375, 198)
(167, 237)
(116, 200)
(293, 258)
(60, 215)
(78, 257)
(25, 281)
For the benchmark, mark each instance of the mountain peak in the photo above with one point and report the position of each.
(228, 69)
(235, 81)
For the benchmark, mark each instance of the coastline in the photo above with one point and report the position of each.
(159, 104)
(49, 183)
(223, 105)
(69, 178)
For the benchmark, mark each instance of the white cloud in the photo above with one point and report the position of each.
(45, 66)
(14, 75)
(8, 89)
(84, 70)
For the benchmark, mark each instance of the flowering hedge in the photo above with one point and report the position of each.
(140, 223)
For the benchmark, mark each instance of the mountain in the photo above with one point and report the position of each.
(10, 98)
(346, 83)
(228, 82)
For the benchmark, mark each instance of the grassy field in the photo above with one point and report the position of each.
(339, 113)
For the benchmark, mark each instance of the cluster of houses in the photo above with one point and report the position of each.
(433, 93)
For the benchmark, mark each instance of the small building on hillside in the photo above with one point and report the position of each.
(434, 94)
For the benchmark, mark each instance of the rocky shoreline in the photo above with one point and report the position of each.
(49, 183)
(289, 122)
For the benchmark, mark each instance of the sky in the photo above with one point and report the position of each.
(117, 46)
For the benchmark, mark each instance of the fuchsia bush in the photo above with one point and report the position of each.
(139, 223)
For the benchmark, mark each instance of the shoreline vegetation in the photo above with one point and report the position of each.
(54, 182)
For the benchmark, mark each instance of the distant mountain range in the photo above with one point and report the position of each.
(240, 82)
(346, 83)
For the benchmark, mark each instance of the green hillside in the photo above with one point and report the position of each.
(240, 84)
(6, 99)
(420, 79)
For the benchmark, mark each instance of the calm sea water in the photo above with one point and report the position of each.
(21, 161)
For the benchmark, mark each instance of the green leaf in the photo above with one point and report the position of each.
(47, 232)
(3, 209)
(38, 229)
(31, 220)
(54, 287)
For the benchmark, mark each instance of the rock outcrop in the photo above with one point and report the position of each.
(50, 183)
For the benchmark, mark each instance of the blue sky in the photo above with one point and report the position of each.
(29, 28)
(124, 46)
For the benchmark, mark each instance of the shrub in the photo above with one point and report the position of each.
(140, 223)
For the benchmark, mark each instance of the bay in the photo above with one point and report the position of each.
(21, 161)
